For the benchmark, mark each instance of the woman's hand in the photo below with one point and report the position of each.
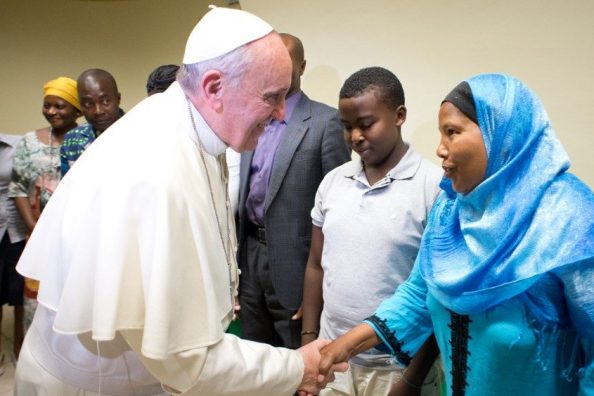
(360, 338)
(335, 353)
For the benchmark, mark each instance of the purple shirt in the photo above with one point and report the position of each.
(261, 166)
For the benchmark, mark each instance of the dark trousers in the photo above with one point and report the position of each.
(263, 318)
(11, 282)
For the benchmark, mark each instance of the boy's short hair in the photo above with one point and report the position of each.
(384, 82)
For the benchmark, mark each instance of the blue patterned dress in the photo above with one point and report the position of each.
(504, 275)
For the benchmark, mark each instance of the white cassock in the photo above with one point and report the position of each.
(136, 273)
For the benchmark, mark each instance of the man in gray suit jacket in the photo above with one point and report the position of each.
(279, 181)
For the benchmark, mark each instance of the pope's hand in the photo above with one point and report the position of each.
(312, 382)
(236, 308)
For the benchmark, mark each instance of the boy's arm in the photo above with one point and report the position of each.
(420, 365)
(312, 288)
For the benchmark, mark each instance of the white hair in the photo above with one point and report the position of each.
(233, 65)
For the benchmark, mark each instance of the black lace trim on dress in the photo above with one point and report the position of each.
(459, 343)
(396, 345)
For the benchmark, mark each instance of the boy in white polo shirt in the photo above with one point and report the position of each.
(368, 220)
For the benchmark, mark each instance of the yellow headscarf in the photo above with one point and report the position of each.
(62, 87)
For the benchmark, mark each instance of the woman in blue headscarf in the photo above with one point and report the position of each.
(505, 272)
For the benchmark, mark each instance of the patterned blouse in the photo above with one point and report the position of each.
(36, 167)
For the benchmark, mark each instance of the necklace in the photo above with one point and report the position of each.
(224, 172)
(54, 159)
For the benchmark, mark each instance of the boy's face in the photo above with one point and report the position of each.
(371, 128)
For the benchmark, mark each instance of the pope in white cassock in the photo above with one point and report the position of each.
(135, 251)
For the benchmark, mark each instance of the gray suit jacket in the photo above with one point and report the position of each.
(312, 145)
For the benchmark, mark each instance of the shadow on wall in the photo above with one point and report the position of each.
(322, 83)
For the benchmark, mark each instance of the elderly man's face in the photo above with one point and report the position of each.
(248, 108)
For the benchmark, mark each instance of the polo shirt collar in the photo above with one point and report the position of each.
(404, 169)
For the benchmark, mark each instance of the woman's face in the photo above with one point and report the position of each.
(60, 114)
(461, 148)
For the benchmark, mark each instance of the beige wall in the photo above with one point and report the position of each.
(41, 40)
(431, 45)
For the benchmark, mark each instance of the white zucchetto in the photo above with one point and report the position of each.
(221, 30)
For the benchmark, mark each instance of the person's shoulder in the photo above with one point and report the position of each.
(320, 107)
(81, 130)
(11, 140)
(431, 169)
(339, 179)
(427, 175)
(28, 142)
(349, 169)
(29, 137)
(432, 175)
(84, 128)
(325, 120)
(427, 167)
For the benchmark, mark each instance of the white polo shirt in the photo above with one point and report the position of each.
(371, 239)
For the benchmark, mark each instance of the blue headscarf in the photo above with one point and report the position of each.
(526, 218)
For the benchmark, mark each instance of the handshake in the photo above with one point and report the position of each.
(321, 359)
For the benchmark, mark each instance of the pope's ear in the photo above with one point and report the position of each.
(211, 86)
